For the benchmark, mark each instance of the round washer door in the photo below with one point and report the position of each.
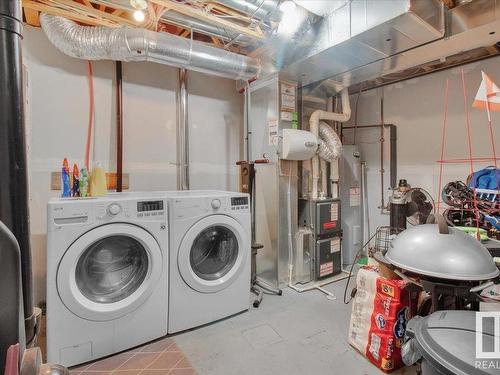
(213, 253)
(109, 271)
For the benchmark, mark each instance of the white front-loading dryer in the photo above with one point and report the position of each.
(107, 275)
(210, 252)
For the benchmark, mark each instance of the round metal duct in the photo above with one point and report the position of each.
(438, 251)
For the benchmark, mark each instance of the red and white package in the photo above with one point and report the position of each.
(380, 312)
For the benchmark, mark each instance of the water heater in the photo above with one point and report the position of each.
(351, 198)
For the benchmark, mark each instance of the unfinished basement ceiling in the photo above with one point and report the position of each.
(355, 43)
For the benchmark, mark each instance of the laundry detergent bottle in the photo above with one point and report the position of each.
(98, 184)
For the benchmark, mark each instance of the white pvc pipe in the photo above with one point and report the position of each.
(324, 180)
(314, 128)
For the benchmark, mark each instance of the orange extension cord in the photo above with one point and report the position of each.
(91, 115)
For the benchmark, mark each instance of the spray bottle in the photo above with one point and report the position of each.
(75, 192)
(65, 180)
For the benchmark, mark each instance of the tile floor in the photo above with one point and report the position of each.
(294, 334)
(162, 357)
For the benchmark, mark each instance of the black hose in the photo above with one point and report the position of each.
(352, 268)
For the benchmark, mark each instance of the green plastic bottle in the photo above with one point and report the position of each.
(84, 183)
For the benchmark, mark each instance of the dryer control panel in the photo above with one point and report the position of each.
(240, 203)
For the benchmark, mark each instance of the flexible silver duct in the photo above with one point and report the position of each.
(130, 44)
(330, 145)
(260, 9)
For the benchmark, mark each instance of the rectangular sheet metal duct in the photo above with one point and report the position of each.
(362, 32)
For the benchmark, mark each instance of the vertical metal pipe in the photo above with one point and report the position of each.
(183, 133)
(382, 140)
(119, 128)
(14, 210)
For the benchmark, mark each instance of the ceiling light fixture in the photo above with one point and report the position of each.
(139, 16)
(289, 21)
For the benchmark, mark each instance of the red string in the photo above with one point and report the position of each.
(469, 142)
(445, 123)
(91, 115)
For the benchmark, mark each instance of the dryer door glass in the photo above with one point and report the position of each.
(214, 252)
(111, 269)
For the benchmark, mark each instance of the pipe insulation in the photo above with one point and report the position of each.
(134, 44)
(329, 146)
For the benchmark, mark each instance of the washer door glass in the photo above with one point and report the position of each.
(214, 253)
(111, 269)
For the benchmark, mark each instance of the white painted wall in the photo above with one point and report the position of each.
(57, 117)
(417, 108)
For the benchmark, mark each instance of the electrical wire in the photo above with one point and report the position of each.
(91, 115)
(352, 268)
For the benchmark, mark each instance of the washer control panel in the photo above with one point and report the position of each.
(150, 208)
(239, 203)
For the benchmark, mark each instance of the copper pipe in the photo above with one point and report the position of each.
(119, 128)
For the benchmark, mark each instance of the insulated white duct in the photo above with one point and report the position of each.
(330, 147)
(131, 44)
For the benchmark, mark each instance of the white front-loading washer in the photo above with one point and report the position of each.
(210, 251)
(107, 275)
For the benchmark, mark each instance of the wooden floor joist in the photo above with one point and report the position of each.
(208, 17)
(32, 17)
(49, 9)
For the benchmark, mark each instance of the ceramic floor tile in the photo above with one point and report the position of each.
(173, 348)
(126, 372)
(110, 363)
(182, 371)
(167, 360)
(157, 346)
(155, 372)
(139, 361)
(79, 368)
(183, 363)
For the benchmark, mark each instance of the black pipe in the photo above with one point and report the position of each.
(119, 128)
(14, 211)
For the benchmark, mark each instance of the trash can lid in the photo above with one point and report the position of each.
(447, 340)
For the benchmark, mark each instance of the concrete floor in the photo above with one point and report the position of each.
(293, 334)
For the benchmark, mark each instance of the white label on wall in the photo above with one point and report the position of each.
(335, 245)
(334, 212)
(287, 102)
(354, 196)
(286, 116)
(287, 89)
(273, 132)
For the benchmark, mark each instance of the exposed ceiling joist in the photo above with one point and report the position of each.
(70, 14)
(204, 16)
(96, 12)
(32, 17)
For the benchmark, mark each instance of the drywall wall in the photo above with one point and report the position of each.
(416, 107)
(57, 117)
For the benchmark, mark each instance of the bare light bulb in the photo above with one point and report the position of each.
(139, 16)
